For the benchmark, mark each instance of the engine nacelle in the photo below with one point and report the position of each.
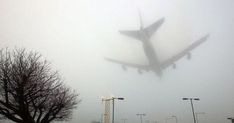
(174, 66)
(139, 71)
(124, 68)
(189, 56)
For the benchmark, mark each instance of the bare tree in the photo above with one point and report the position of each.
(30, 92)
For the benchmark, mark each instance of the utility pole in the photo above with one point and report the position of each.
(231, 118)
(141, 116)
(106, 115)
(176, 119)
(113, 105)
(191, 101)
(124, 120)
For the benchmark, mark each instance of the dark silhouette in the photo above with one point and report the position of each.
(143, 34)
(30, 92)
(232, 119)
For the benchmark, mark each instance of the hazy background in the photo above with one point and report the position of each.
(75, 35)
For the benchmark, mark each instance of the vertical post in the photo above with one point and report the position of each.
(194, 119)
(106, 115)
(166, 120)
(124, 120)
(175, 118)
(232, 119)
(191, 101)
(113, 110)
(101, 121)
(141, 118)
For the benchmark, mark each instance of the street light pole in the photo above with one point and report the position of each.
(197, 115)
(113, 107)
(191, 101)
(231, 118)
(193, 110)
(113, 110)
(124, 120)
(141, 116)
(175, 118)
(168, 118)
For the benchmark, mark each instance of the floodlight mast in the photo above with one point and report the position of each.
(168, 118)
(191, 101)
(176, 119)
(113, 108)
(124, 120)
(231, 118)
(141, 116)
(113, 104)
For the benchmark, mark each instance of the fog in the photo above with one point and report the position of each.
(76, 35)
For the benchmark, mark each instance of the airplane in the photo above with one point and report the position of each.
(143, 35)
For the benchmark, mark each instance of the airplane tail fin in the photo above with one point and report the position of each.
(140, 18)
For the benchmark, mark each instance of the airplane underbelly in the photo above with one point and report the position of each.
(151, 55)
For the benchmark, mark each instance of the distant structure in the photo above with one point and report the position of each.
(144, 34)
(106, 115)
(231, 118)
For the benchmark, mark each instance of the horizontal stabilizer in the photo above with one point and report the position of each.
(134, 34)
(154, 27)
(143, 67)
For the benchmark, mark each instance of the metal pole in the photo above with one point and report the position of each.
(141, 118)
(113, 110)
(175, 118)
(196, 117)
(101, 118)
(232, 119)
(124, 120)
(166, 120)
(191, 100)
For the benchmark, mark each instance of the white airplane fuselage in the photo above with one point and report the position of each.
(150, 52)
(144, 34)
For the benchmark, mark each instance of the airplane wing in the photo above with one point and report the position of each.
(153, 27)
(171, 60)
(134, 34)
(138, 66)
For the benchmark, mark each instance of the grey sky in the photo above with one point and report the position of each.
(75, 35)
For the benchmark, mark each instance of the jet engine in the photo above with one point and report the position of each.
(189, 56)
(124, 68)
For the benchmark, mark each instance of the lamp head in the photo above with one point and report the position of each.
(185, 98)
(120, 98)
